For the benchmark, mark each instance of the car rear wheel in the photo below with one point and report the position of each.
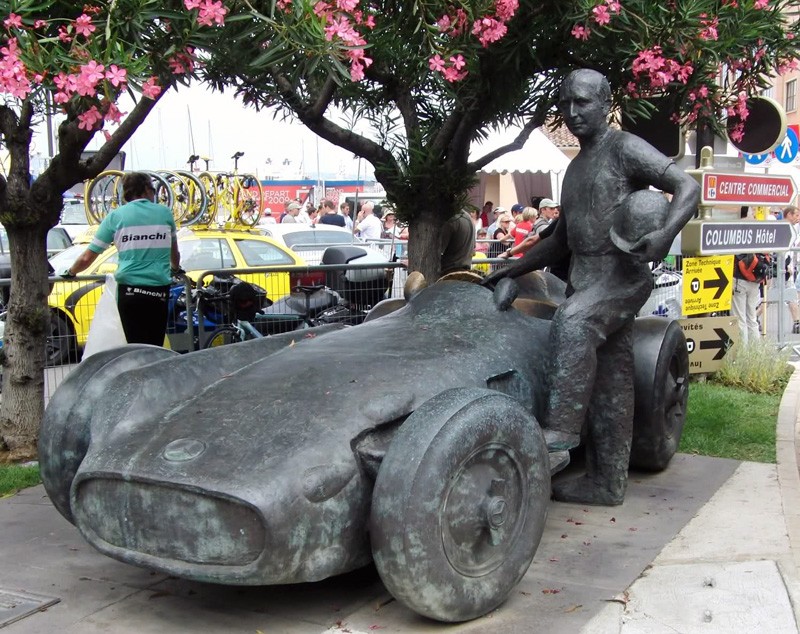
(661, 362)
(460, 503)
(65, 434)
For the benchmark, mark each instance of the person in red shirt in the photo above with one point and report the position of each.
(523, 228)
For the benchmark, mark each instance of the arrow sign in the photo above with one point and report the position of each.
(721, 344)
(721, 283)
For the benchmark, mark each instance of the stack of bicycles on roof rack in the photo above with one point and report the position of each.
(228, 199)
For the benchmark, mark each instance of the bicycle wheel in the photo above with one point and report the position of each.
(248, 200)
(164, 194)
(197, 197)
(223, 336)
(180, 194)
(103, 194)
(210, 188)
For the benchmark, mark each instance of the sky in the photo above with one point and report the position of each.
(197, 120)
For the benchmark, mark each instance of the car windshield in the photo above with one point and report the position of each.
(67, 257)
(73, 213)
(316, 237)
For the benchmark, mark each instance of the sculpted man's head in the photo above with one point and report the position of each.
(584, 102)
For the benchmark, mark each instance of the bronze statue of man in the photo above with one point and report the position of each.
(591, 372)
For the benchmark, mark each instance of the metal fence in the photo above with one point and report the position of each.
(359, 287)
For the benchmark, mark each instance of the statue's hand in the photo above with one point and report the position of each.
(491, 280)
(652, 247)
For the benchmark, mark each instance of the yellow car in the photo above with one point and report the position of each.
(73, 302)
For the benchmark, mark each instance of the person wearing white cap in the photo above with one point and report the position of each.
(614, 227)
(547, 212)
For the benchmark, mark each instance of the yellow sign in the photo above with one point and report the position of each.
(709, 340)
(707, 284)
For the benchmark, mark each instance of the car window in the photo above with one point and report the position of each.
(314, 236)
(259, 253)
(67, 257)
(204, 254)
(73, 213)
(57, 240)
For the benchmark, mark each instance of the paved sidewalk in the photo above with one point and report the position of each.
(709, 545)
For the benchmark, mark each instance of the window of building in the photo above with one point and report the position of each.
(791, 94)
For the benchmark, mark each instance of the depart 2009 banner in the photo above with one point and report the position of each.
(275, 194)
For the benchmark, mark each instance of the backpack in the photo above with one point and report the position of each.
(753, 267)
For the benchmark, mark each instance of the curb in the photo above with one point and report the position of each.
(786, 456)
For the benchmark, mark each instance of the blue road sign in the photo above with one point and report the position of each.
(786, 152)
(755, 159)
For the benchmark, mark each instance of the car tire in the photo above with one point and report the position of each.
(460, 503)
(60, 347)
(65, 432)
(661, 368)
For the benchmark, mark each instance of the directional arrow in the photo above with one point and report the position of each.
(721, 345)
(721, 283)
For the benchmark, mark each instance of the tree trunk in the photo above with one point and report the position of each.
(23, 353)
(424, 246)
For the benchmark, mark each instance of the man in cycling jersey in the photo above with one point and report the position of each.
(146, 239)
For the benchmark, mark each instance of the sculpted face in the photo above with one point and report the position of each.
(584, 102)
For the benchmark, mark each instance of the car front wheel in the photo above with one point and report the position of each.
(460, 503)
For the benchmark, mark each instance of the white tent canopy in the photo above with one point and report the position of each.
(535, 170)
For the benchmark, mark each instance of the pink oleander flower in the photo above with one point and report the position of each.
(211, 12)
(61, 98)
(13, 21)
(581, 32)
(84, 26)
(63, 34)
(117, 76)
(89, 119)
(151, 89)
(613, 6)
(709, 31)
(91, 73)
(436, 63)
(191, 4)
(601, 14)
(452, 75)
(370, 22)
(346, 5)
(113, 113)
(488, 30)
(505, 9)
(443, 23)
(321, 9)
(761, 4)
(736, 133)
(284, 5)
(39, 24)
(458, 62)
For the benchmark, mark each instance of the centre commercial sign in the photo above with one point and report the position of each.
(719, 188)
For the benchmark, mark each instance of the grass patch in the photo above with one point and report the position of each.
(16, 477)
(729, 422)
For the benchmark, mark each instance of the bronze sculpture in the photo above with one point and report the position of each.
(591, 370)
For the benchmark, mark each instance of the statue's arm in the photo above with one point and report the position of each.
(544, 252)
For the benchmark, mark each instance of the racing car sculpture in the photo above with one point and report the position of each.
(411, 440)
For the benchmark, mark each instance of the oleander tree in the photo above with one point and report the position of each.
(76, 61)
(427, 79)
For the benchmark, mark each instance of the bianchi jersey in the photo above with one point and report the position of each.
(143, 232)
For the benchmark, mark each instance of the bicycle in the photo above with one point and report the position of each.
(239, 194)
(103, 194)
(237, 308)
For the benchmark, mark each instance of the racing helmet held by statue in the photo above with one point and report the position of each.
(640, 213)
